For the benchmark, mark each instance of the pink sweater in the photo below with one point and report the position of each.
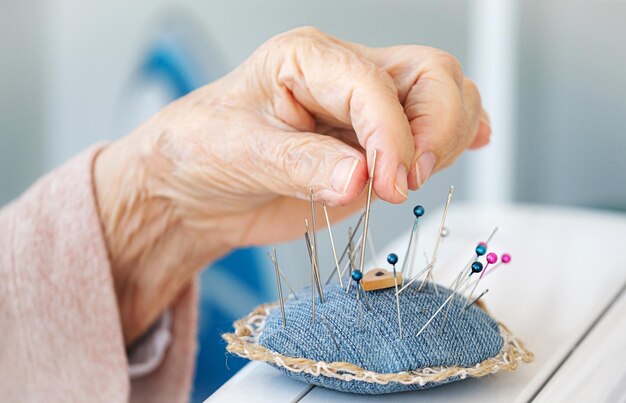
(60, 332)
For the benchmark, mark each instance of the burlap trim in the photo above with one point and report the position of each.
(244, 343)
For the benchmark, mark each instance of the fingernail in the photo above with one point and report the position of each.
(402, 186)
(417, 175)
(342, 174)
(425, 165)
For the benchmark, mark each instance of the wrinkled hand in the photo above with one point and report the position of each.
(231, 164)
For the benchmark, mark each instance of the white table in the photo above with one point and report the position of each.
(563, 294)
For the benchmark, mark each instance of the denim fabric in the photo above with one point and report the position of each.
(470, 336)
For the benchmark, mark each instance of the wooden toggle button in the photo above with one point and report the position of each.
(378, 279)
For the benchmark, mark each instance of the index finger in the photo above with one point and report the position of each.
(338, 86)
(443, 106)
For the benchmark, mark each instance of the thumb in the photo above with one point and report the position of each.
(291, 163)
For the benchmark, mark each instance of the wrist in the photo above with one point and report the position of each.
(153, 254)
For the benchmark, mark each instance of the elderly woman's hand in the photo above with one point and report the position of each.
(231, 164)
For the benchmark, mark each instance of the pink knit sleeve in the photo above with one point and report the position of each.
(60, 333)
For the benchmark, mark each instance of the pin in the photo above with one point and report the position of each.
(357, 276)
(418, 211)
(293, 292)
(280, 288)
(306, 236)
(363, 293)
(477, 298)
(310, 246)
(479, 251)
(307, 239)
(429, 276)
(441, 225)
(352, 252)
(314, 240)
(418, 275)
(345, 250)
(426, 260)
(444, 232)
(367, 212)
(373, 254)
(332, 336)
(360, 313)
(318, 282)
(495, 229)
(332, 244)
(491, 259)
(476, 267)
(392, 259)
(505, 259)
(351, 257)
(437, 241)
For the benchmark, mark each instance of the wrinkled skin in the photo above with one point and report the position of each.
(231, 164)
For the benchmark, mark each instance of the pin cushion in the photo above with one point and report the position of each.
(372, 337)
(353, 344)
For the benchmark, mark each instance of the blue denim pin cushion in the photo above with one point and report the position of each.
(355, 348)
(367, 335)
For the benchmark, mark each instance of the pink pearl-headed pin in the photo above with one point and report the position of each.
(492, 258)
(506, 258)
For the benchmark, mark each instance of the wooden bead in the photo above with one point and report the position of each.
(378, 279)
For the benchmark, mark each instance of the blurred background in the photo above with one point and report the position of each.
(74, 73)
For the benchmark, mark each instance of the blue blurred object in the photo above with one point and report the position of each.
(238, 282)
(171, 63)
(230, 289)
